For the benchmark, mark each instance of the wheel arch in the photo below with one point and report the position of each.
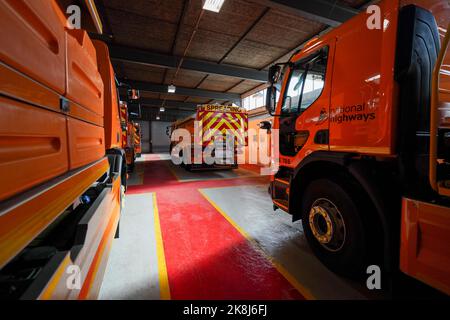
(123, 170)
(324, 164)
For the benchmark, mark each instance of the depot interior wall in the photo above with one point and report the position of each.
(145, 135)
(253, 124)
(160, 141)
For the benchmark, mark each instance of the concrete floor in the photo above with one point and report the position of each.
(212, 235)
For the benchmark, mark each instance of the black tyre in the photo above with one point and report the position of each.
(334, 228)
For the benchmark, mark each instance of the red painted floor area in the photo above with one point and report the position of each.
(206, 257)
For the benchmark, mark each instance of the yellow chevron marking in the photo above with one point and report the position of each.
(235, 132)
(205, 128)
(212, 131)
(207, 116)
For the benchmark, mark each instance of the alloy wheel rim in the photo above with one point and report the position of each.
(327, 225)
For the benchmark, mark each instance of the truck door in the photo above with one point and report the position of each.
(304, 121)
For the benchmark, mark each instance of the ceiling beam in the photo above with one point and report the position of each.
(90, 4)
(173, 104)
(162, 88)
(323, 11)
(168, 115)
(145, 57)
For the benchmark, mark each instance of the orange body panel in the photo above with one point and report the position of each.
(84, 83)
(24, 88)
(86, 142)
(84, 87)
(40, 61)
(20, 225)
(93, 257)
(113, 131)
(34, 40)
(425, 238)
(33, 146)
(50, 154)
(363, 75)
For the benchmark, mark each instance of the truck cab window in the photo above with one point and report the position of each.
(313, 88)
(306, 83)
(294, 90)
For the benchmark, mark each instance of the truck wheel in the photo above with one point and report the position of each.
(334, 228)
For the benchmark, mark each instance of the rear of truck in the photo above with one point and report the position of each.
(217, 125)
(60, 191)
(128, 136)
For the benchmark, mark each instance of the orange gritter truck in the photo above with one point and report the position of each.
(363, 120)
(128, 136)
(215, 121)
(61, 156)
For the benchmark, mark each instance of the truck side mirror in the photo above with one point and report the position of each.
(274, 74)
(265, 125)
(271, 99)
(274, 77)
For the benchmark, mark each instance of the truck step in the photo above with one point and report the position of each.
(280, 192)
(282, 204)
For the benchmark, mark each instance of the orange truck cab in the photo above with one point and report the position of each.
(215, 121)
(364, 156)
(60, 155)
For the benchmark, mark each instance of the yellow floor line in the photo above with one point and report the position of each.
(162, 268)
(242, 184)
(290, 278)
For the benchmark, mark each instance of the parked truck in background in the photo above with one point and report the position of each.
(61, 155)
(128, 136)
(363, 120)
(137, 140)
(215, 121)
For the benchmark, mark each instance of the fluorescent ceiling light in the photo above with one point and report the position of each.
(213, 5)
(162, 109)
(171, 89)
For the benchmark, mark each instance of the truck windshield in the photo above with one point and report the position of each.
(306, 82)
